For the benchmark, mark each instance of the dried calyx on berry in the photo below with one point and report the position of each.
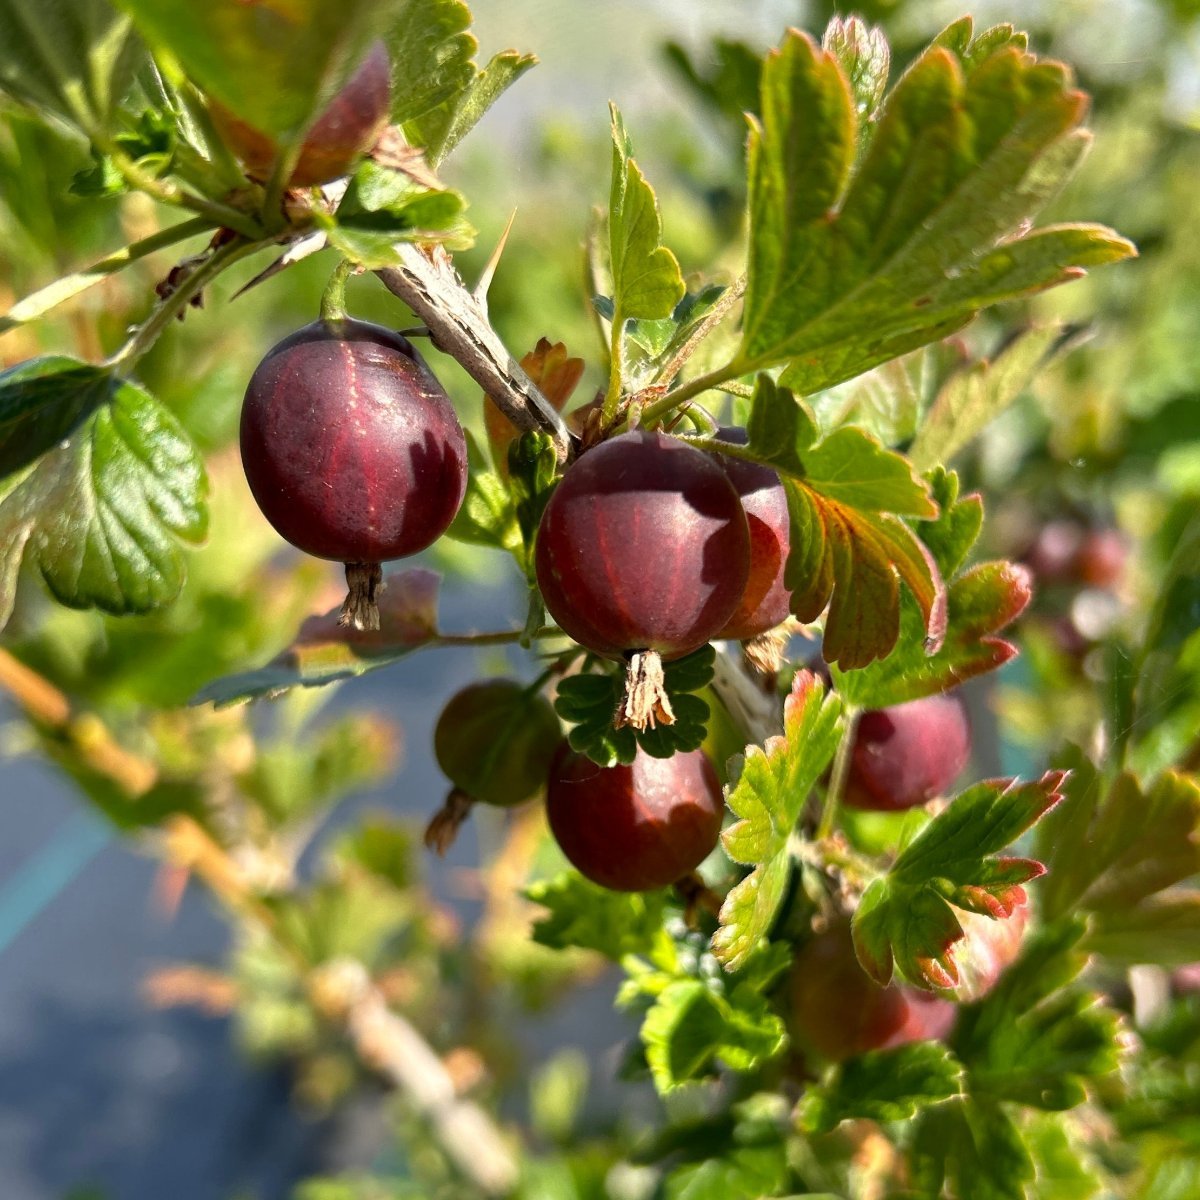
(353, 451)
(494, 741)
(642, 555)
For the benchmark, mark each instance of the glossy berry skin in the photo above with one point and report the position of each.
(906, 755)
(643, 546)
(638, 827)
(836, 1010)
(345, 130)
(350, 445)
(765, 602)
(495, 741)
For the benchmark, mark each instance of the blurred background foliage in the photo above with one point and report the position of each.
(1107, 440)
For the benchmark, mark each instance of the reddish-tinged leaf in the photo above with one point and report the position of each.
(906, 921)
(555, 373)
(324, 652)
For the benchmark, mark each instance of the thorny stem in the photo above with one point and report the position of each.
(837, 777)
(146, 334)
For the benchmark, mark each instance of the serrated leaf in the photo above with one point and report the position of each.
(382, 207)
(658, 339)
(850, 267)
(690, 1026)
(488, 516)
(441, 128)
(431, 47)
(98, 486)
(1033, 1039)
(973, 1146)
(589, 703)
(768, 799)
(884, 1085)
(274, 65)
(324, 652)
(973, 397)
(905, 920)
(72, 58)
(1114, 845)
(979, 603)
(865, 57)
(588, 917)
(850, 550)
(732, 82)
(645, 274)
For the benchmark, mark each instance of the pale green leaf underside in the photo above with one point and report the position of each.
(98, 485)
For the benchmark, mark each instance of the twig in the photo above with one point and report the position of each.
(758, 713)
(430, 286)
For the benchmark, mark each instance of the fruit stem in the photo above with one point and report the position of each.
(616, 369)
(364, 581)
(653, 413)
(838, 776)
(333, 299)
(148, 332)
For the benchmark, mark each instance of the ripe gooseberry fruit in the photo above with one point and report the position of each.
(347, 127)
(836, 1010)
(765, 603)
(637, 827)
(352, 450)
(494, 742)
(643, 553)
(907, 754)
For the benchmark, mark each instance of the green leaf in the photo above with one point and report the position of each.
(849, 268)
(440, 129)
(850, 550)
(488, 515)
(72, 58)
(769, 798)
(588, 917)
(745, 1173)
(98, 485)
(979, 603)
(645, 274)
(274, 65)
(690, 1026)
(1164, 929)
(974, 1147)
(1034, 1039)
(884, 1085)
(588, 703)
(324, 652)
(732, 84)
(431, 47)
(1113, 846)
(905, 919)
(863, 53)
(971, 398)
(659, 339)
(382, 207)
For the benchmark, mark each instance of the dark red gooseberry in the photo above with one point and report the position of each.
(352, 450)
(836, 1010)
(637, 827)
(765, 603)
(906, 755)
(643, 552)
(345, 130)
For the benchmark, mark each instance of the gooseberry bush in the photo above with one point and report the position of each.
(737, 742)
